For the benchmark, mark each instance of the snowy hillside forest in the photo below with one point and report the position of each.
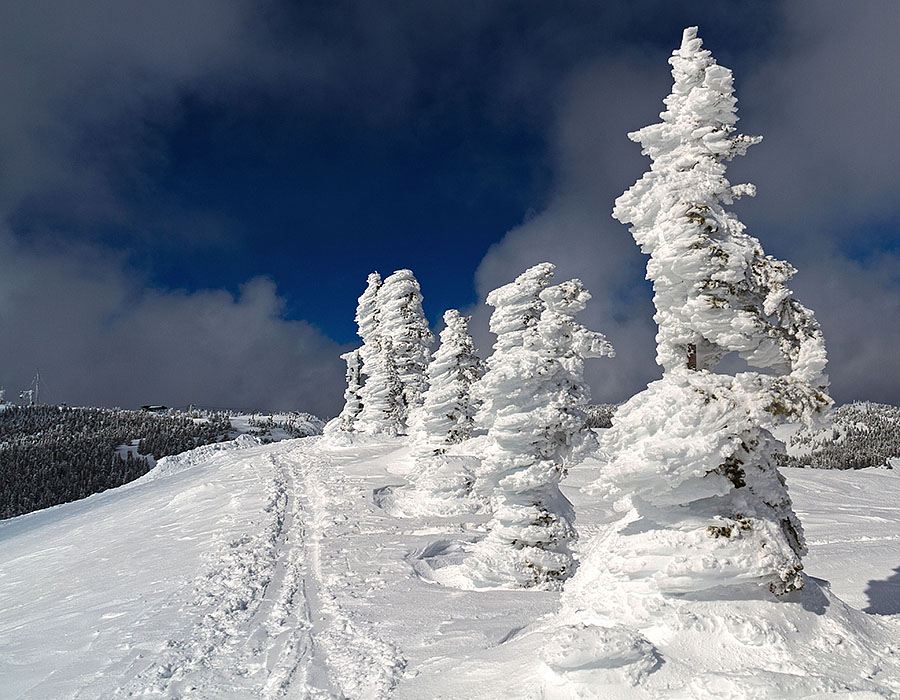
(479, 528)
(56, 454)
(863, 434)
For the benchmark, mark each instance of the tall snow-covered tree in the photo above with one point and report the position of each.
(402, 321)
(517, 308)
(535, 389)
(439, 483)
(692, 472)
(367, 313)
(346, 420)
(446, 415)
(381, 394)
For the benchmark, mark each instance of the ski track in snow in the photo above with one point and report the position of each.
(269, 602)
(362, 665)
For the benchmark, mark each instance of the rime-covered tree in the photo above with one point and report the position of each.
(381, 392)
(700, 502)
(563, 344)
(535, 389)
(517, 307)
(402, 321)
(446, 415)
(441, 484)
(367, 314)
(382, 395)
(346, 420)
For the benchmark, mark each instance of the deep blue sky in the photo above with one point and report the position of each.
(155, 158)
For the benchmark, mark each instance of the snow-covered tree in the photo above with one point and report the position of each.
(535, 390)
(367, 314)
(440, 483)
(446, 415)
(716, 291)
(692, 473)
(381, 394)
(346, 420)
(517, 307)
(563, 344)
(402, 321)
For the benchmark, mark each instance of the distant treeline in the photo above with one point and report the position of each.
(864, 434)
(56, 454)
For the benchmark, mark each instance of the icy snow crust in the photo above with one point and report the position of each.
(242, 570)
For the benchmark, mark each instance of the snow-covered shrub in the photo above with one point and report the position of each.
(692, 471)
(402, 322)
(537, 394)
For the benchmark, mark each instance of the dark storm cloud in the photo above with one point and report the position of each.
(100, 337)
(71, 70)
(89, 89)
(828, 101)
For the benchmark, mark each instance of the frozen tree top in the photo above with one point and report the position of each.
(518, 305)
(562, 336)
(716, 291)
(456, 322)
(366, 310)
(400, 305)
(701, 109)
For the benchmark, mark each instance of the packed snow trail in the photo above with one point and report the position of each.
(263, 618)
(360, 664)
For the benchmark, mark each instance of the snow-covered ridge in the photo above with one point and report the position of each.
(244, 571)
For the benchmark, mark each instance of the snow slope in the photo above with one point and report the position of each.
(241, 570)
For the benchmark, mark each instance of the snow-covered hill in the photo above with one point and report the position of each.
(248, 570)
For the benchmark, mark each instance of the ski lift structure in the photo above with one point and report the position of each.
(33, 395)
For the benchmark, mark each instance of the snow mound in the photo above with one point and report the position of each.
(736, 644)
(697, 500)
(600, 655)
(442, 486)
(199, 455)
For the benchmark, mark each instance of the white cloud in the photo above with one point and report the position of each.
(101, 337)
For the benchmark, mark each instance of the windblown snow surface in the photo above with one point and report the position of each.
(242, 570)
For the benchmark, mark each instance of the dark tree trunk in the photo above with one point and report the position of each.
(692, 356)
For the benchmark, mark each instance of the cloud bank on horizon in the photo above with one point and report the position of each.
(100, 284)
